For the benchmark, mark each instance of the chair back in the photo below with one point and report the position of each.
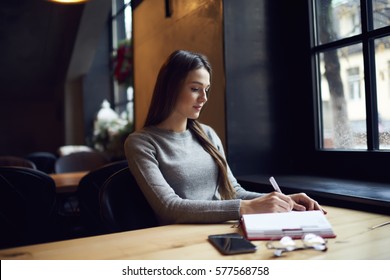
(27, 207)
(80, 161)
(88, 195)
(44, 161)
(69, 149)
(123, 205)
(16, 161)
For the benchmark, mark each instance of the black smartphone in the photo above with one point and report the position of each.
(231, 243)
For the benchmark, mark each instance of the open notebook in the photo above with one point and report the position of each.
(294, 224)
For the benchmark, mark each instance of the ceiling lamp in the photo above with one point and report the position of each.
(69, 1)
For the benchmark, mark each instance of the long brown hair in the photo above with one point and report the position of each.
(169, 81)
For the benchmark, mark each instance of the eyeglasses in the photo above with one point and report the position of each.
(287, 244)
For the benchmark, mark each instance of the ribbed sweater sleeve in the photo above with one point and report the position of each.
(179, 178)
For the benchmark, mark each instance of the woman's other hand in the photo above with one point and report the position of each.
(304, 202)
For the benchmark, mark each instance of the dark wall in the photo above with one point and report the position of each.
(266, 59)
(36, 42)
(44, 48)
(297, 84)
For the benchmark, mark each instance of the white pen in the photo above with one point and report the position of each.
(276, 188)
(274, 184)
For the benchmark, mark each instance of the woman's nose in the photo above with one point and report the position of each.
(203, 95)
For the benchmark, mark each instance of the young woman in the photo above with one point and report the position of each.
(180, 163)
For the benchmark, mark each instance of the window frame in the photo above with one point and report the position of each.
(370, 164)
(117, 104)
(367, 37)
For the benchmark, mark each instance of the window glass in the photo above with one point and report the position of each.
(337, 19)
(382, 62)
(121, 27)
(118, 6)
(381, 13)
(352, 63)
(343, 98)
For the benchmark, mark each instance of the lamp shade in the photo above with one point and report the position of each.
(69, 1)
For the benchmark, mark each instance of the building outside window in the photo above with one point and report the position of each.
(354, 81)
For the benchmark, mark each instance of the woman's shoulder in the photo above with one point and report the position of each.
(138, 137)
(210, 132)
(138, 143)
(137, 134)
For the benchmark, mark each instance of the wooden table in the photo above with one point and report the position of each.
(354, 241)
(67, 182)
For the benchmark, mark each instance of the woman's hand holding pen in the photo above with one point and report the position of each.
(269, 203)
(301, 201)
(278, 202)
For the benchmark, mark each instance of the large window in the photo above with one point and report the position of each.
(351, 58)
(121, 35)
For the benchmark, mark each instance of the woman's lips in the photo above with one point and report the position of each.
(198, 108)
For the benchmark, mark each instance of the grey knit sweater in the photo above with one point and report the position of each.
(179, 178)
